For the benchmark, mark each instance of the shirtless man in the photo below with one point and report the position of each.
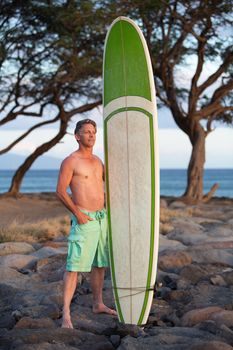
(83, 172)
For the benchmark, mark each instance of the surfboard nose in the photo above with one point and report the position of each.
(125, 55)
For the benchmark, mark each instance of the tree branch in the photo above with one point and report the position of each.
(227, 61)
(9, 147)
(84, 108)
(193, 97)
(13, 115)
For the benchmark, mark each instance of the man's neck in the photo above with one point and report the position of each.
(85, 152)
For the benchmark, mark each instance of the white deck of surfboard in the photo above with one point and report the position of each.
(129, 175)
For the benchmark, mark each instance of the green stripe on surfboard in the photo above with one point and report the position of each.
(151, 256)
(124, 55)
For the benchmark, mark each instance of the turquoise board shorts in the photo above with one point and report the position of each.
(87, 243)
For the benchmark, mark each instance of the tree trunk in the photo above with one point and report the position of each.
(194, 190)
(21, 171)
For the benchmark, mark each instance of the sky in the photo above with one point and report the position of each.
(174, 145)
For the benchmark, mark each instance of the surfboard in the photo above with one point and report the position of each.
(132, 169)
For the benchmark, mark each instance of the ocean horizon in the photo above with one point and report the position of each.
(172, 181)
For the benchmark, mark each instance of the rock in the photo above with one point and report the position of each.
(28, 322)
(186, 231)
(84, 319)
(223, 230)
(213, 345)
(194, 317)
(7, 320)
(128, 329)
(177, 205)
(223, 317)
(168, 338)
(17, 338)
(160, 309)
(212, 256)
(46, 252)
(115, 340)
(51, 269)
(163, 203)
(56, 244)
(193, 273)
(173, 260)
(223, 244)
(169, 244)
(211, 213)
(13, 278)
(18, 261)
(226, 333)
(40, 311)
(44, 346)
(209, 326)
(228, 276)
(15, 248)
(205, 295)
(218, 280)
(179, 295)
(205, 221)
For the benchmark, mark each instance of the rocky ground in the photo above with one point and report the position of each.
(192, 308)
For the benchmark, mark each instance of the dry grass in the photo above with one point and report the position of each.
(167, 214)
(40, 231)
(165, 228)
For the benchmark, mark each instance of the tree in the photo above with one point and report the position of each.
(50, 62)
(177, 33)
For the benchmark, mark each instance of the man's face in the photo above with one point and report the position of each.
(86, 135)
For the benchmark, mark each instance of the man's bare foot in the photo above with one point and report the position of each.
(103, 309)
(66, 322)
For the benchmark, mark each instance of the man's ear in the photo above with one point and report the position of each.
(77, 137)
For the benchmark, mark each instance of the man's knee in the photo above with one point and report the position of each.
(70, 274)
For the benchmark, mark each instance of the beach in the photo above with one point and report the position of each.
(193, 300)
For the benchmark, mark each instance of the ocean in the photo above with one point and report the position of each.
(172, 181)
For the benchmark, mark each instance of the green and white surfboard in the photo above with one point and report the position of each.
(132, 170)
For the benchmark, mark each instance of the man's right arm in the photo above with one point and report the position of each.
(64, 179)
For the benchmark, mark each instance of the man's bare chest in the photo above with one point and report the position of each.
(88, 169)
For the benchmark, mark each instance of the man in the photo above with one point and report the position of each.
(83, 172)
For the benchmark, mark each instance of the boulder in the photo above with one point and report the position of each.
(186, 231)
(169, 244)
(212, 345)
(18, 261)
(46, 252)
(13, 278)
(192, 273)
(173, 260)
(28, 322)
(17, 338)
(177, 205)
(194, 317)
(52, 269)
(15, 248)
(212, 256)
(223, 317)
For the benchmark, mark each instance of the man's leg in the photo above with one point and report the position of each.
(70, 283)
(97, 280)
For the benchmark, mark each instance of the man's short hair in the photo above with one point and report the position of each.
(82, 122)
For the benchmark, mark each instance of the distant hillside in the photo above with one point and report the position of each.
(13, 161)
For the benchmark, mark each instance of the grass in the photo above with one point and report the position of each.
(49, 229)
(40, 231)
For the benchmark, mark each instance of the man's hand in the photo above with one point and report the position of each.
(83, 218)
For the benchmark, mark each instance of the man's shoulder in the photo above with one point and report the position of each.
(69, 160)
(97, 158)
